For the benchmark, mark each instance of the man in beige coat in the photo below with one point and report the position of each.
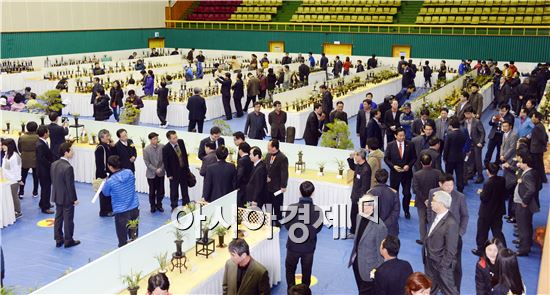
(243, 275)
(374, 158)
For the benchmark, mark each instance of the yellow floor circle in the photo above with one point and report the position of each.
(48, 222)
(314, 280)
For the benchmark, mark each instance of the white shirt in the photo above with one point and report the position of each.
(12, 168)
(437, 219)
(45, 141)
(257, 162)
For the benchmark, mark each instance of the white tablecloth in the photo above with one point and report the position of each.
(7, 211)
(267, 252)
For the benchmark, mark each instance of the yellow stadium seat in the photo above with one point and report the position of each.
(528, 20)
(352, 10)
(333, 18)
(521, 10)
(478, 11)
(539, 10)
(443, 19)
(435, 19)
(509, 20)
(467, 19)
(459, 19)
(446, 10)
(427, 19)
(347, 18)
(451, 19)
(423, 11)
(546, 19)
(547, 10)
(492, 20)
(314, 18)
(325, 10)
(307, 18)
(503, 10)
(518, 19)
(489, 3)
(340, 18)
(537, 20)
(368, 18)
(483, 19)
(345, 10)
(354, 18)
(438, 10)
(475, 20)
(501, 20)
(431, 11)
(361, 19)
(529, 10)
(470, 10)
(393, 10)
(461, 10)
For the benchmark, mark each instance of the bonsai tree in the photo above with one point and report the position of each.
(206, 228)
(321, 167)
(341, 167)
(132, 281)
(225, 128)
(220, 231)
(162, 260)
(53, 101)
(337, 136)
(132, 226)
(178, 235)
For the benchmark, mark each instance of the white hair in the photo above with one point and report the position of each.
(444, 198)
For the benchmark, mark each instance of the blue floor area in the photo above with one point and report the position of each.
(32, 260)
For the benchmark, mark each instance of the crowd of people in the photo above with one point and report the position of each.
(432, 159)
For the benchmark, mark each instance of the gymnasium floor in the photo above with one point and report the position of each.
(32, 260)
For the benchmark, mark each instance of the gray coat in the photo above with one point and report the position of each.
(458, 208)
(441, 128)
(508, 147)
(209, 159)
(63, 189)
(477, 132)
(368, 248)
(153, 160)
(420, 143)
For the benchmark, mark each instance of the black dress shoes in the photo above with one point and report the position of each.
(58, 244)
(419, 242)
(48, 211)
(153, 209)
(160, 209)
(72, 243)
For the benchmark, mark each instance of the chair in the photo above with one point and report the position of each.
(475, 20)
(427, 19)
(492, 20)
(467, 19)
(340, 18)
(470, 10)
(512, 10)
(393, 10)
(537, 20)
(521, 10)
(354, 18)
(368, 18)
(361, 19)
(451, 19)
(347, 18)
(546, 19)
(435, 19)
(459, 19)
(333, 18)
(530, 10)
(443, 19)
(446, 10)
(503, 10)
(518, 20)
(461, 10)
(430, 11)
(539, 10)
(501, 20)
(528, 19)
(483, 19)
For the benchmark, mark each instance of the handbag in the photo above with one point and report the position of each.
(191, 179)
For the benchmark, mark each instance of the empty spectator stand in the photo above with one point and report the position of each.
(256, 10)
(485, 12)
(214, 10)
(346, 11)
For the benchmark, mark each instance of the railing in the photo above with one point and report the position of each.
(540, 31)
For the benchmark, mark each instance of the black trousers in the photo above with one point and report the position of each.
(291, 263)
(45, 191)
(363, 141)
(226, 100)
(428, 81)
(156, 191)
(179, 182)
(457, 273)
(161, 113)
(238, 106)
(484, 224)
(262, 94)
(474, 165)
(404, 179)
(539, 166)
(277, 203)
(524, 219)
(458, 169)
(63, 228)
(24, 174)
(193, 123)
(312, 141)
(364, 287)
(121, 225)
(442, 278)
(249, 99)
(105, 205)
(495, 142)
(511, 204)
(353, 216)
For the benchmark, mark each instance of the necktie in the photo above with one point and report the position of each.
(272, 159)
(178, 153)
(400, 150)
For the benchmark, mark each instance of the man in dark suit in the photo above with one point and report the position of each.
(312, 132)
(391, 120)
(491, 209)
(176, 164)
(388, 202)
(537, 146)
(64, 197)
(244, 170)
(44, 160)
(357, 162)
(363, 119)
(126, 150)
(419, 123)
(433, 152)
(57, 134)
(303, 72)
(509, 167)
(368, 238)
(495, 135)
(243, 274)
(256, 126)
(462, 105)
(226, 94)
(453, 153)
(256, 188)
(215, 136)
(298, 249)
(196, 105)
(277, 121)
(220, 177)
(326, 100)
(338, 113)
(442, 125)
(210, 157)
(374, 128)
(526, 197)
(162, 103)
(391, 276)
(424, 180)
(277, 177)
(476, 133)
(400, 157)
(421, 142)
(103, 151)
(441, 246)
(459, 210)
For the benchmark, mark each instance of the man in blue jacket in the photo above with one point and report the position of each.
(121, 187)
